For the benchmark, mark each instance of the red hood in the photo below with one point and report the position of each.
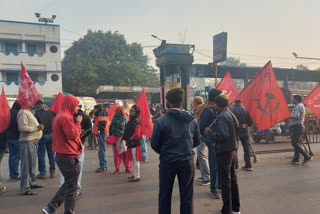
(69, 104)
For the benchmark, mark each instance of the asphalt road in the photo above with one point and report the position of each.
(274, 187)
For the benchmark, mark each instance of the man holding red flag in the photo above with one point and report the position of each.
(264, 100)
(297, 129)
(228, 87)
(30, 132)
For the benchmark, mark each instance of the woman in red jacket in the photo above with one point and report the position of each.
(67, 145)
(132, 133)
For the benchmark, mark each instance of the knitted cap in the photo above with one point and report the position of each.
(213, 93)
(222, 100)
(175, 97)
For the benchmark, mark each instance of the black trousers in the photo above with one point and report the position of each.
(185, 171)
(70, 169)
(296, 133)
(228, 181)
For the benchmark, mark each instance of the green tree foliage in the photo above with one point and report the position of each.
(105, 58)
(302, 67)
(232, 61)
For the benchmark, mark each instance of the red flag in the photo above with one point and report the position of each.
(264, 100)
(4, 112)
(56, 105)
(313, 101)
(111, 111)
(28, 94)
(228, 87)
(145, 115)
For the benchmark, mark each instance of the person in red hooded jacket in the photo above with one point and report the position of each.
(67, 145)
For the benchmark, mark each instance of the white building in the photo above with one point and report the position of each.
(37, 46)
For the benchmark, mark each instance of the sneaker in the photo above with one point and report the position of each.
(214, 195)
(306, 160)
(78, 195)
(199, 179)
(52, 174)
(247, 168)
(3, 189)
(41, 176)
(295, 162)
(204, 183)
(46, 210)
(14, 179)
(234, 212)
(145, 159)
(236, 170)
(100, 170)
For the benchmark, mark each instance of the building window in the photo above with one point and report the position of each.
(53, 49)
(11, 47)
(54, 77)
(12, 77)
(31, 49)
(34, 76)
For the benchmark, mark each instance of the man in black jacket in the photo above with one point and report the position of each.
(224, 134)
(245, 121)
(45, 117)
(174, 136)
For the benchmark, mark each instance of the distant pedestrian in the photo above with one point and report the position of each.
(297, 131)
(100, 131)
(132, 136)
(68, 146)
(174, 136)
(92, 141)
(45, 117)
(117, 128)
(158, 113)
(13, 135)
(245, 121)
(30, 134)
(224, 134)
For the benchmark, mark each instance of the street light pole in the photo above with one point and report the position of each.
(299, 57)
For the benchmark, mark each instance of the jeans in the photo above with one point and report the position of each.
(81, 160)
(246, 149)
(229, 183)
(202, 152)
(144, 149)
(296, 133)
(28, 153)
(213, 169)
(46, 143)
(70, 169)
(102, 152)
(14, 158)
(185, 171)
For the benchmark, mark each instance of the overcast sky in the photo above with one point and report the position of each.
(258, 30)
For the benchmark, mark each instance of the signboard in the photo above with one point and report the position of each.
(220, 47)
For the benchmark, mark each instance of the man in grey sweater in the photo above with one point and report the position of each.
(30, 134)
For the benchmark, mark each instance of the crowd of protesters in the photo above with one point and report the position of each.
(213, 129)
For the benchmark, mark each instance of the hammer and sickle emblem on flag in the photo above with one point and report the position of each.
(225, 92)
(264, 111)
